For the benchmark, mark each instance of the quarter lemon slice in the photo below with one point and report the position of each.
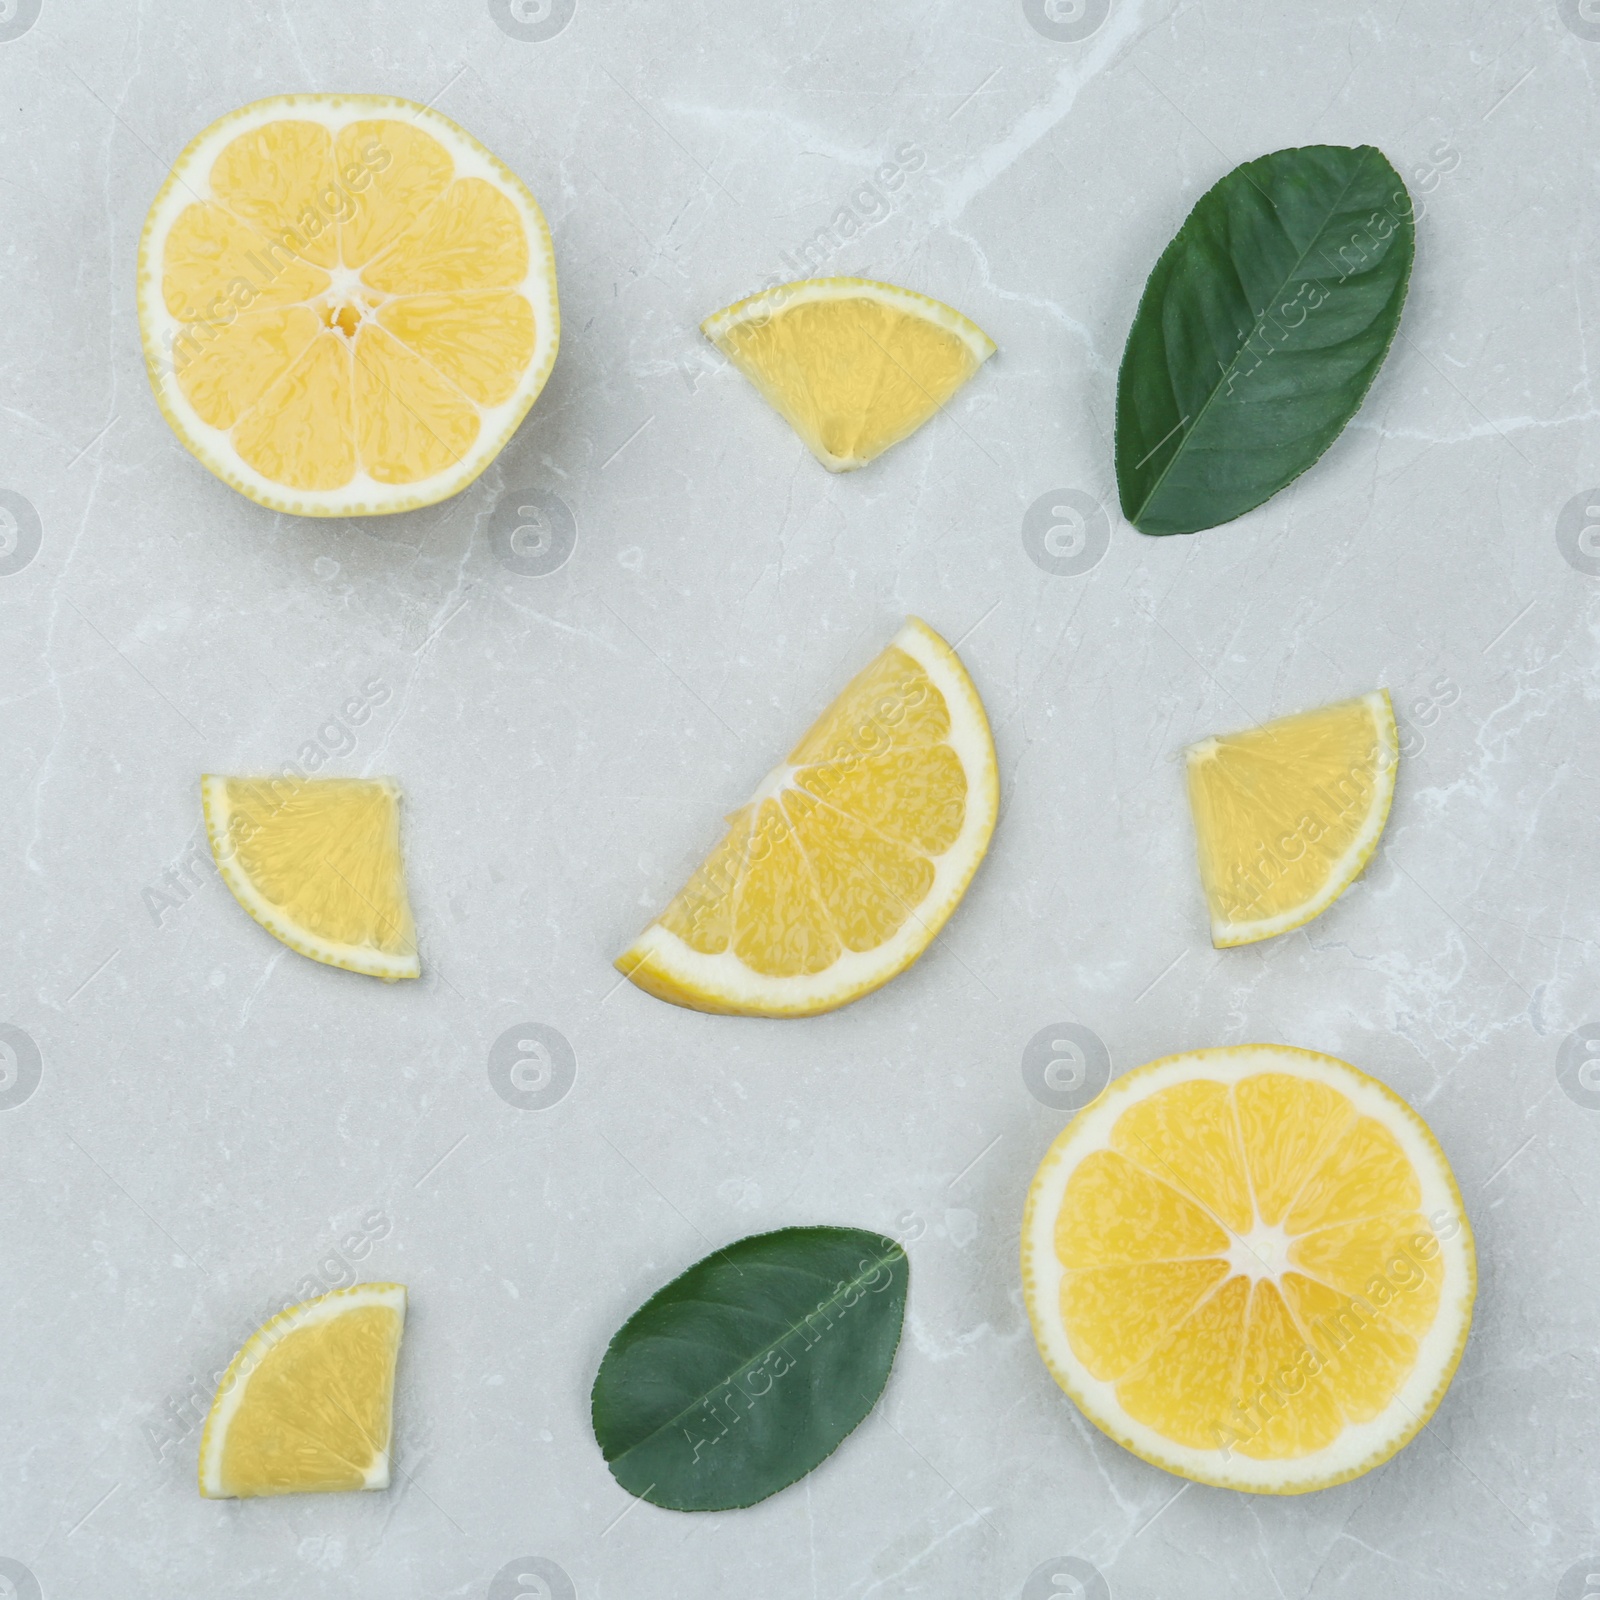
(1286, 815)
(850, 856)
(306, 1406)
(1251, 1267)
(854, 366)
(316, 861)
(347, 304)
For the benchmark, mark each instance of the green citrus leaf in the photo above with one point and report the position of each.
(741, 1375)
(1259, 333)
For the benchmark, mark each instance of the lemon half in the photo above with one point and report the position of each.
(316, 861)
(1250, 1266)
(307, 1404)
(347, 303)
(1288, 814)
(848, 859)
(853, 366)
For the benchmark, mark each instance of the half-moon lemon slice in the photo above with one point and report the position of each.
(1286, 815)
(307, 1405)
(854, 366)
(347, 303)
(316, 861)
(848, 859)
(1251, 1267)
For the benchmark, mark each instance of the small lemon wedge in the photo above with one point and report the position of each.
(307, 1405)
(848, 859)
(1250, 1266)
(1286, 815)
(316, 861)
(854, 366)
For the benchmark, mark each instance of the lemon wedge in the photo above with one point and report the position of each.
(853, 366)
(1286, 815)
(1251, 1267)
(307, 1405)
(848, 859)
(316, 861)
(347, 304)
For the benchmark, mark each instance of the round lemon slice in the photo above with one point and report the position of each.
(1250, 1266)
(848, 859)
(316, 861)
(347, 304)
(1288, 814)
(853, 366)
(307, 1405)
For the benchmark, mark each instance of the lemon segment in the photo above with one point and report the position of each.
(850, 857)
(307, 1405)
(347, 304)
(853, 366)
(317, 862)
(1251, 1267)
(1286, 815)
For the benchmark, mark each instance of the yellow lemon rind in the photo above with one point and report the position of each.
(188, 181)
(1361, 1446)
(663, 965)
(773, 302)
(351, 957)
(235, 1383)
(1227, 933)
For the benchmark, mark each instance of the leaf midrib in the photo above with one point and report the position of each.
(1255, 327)
(762, 1352)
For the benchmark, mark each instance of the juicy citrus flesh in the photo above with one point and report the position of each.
(852, 366)
(850, 857)
(1250, 1266)
(317, 862)
(306, 1406)
(1286, 815)
(347, 303)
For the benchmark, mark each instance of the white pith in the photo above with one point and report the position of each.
(1263, 1252)
(236, 1381)
(725, 979)
(1227, 933)
(218, 808)
(189, 183)
(1360, 1446)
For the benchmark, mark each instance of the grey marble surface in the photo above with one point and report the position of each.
(218, 1122)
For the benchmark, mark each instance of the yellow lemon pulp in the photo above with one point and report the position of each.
(347, 303)
(1286, 815)
(306, 1405)
(316, 861)
(853, 366)
(848, 859)
(1251, 1266)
